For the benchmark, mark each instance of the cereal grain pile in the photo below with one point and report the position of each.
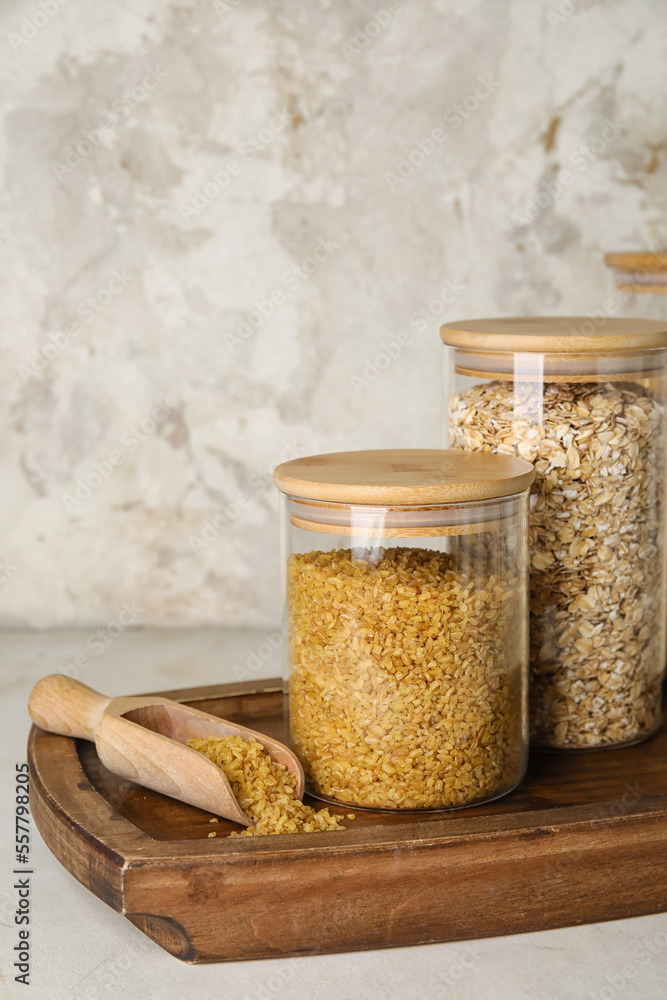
(596, 548)
(265, 789)
(405, 678)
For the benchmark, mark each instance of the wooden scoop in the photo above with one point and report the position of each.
(143, 739)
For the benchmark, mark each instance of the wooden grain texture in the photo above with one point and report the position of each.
(552, 334)
(62, 705)
(544, 373)
(360, 530)
(395, 476)
(630, 286)
(582, 839)
(639, 259)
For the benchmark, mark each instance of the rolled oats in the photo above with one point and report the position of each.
(596, 548)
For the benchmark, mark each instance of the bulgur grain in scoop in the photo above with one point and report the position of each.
(264, 789)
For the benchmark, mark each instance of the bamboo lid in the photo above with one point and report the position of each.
(395, 477)
(639, 272)
(630, 261)
(556, 334)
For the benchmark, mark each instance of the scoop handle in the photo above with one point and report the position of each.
(62, 705)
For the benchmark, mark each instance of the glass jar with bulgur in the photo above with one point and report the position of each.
(406, 598)
(583, 398)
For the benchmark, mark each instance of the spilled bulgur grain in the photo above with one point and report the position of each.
(264, 789)
(405, 677)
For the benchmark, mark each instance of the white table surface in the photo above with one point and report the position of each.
(83, 949)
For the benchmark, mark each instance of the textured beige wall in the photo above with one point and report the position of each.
(171, 170)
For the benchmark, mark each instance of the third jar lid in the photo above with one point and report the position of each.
(639, 272)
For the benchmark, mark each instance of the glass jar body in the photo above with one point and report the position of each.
(594, 427)
(407, 650)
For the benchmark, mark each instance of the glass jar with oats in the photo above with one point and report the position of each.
(407, 613)
(583, 398)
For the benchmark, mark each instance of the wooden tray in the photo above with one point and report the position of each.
(583, 839)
